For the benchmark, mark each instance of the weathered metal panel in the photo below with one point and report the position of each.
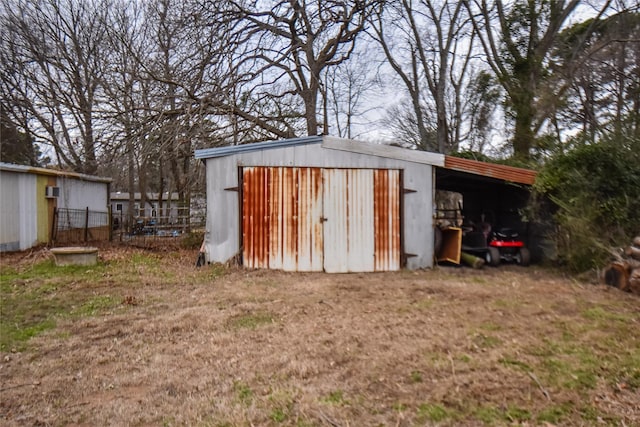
(281, 218)
(362, 211)
(383, 151)
(254, 218)
(18, 211)
(335, 225)
(289, 219)
(387, 220)
(209, 153)
(310, 219)
(506, 173)
(224, 216)
(360, 190)
(275, 229)
(79, 194)
(310, 241)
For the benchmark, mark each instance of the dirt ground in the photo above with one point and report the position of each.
(216, 346)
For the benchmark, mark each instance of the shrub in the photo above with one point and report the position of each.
(192, 240)
(595, 192)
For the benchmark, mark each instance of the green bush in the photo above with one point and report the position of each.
(192, 240)
(595, 192)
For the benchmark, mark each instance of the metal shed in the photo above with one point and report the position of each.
(30, 195)
(321, 203)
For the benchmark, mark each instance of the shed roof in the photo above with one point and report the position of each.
(483, 169)
(332, 143)
(10, 167)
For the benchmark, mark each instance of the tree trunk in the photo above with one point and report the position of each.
(131, 179)
(310, 98)
(524, 111)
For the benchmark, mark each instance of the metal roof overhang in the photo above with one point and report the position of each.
(10, 167)
(382, 150)
(491, 193)
(489, 171)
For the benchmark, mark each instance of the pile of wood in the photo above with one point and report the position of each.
(624, 272)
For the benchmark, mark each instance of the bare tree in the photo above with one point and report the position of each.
(483, 97)
(602, 89)
(427, 44)
(294, 43)
(52, 60)
(347, 93)
(125, 91)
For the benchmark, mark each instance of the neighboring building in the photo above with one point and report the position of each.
(153, 206)
(326, 204)
(30, 196)
(168, 210)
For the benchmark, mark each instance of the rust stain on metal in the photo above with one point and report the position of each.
(281, 216)
(275, 195)
(284, 218)
(387, 219)
(506, 173)
(317, 218)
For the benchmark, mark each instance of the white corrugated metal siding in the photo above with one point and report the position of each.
(78, 194)
(18, 211)
(349, 227)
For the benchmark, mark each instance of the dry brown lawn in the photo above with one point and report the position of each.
(145, 338)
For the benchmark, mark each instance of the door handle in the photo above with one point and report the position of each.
(323, 219)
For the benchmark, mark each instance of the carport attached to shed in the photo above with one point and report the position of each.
(320, 203)
(492, 193)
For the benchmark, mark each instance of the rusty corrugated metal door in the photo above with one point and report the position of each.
(310, 219)
(281, 213)
(255, 220)
(386, 207)
(348, 227)
(310, 240)
(362, 227)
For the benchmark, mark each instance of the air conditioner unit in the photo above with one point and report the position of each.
(52, 192)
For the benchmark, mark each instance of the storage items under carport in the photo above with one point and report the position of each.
(484, 201)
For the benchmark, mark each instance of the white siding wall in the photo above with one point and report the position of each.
(18, 211)
(223, 242)
(77, 194)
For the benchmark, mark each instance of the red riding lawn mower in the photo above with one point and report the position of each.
(506, 242)
(496, 246)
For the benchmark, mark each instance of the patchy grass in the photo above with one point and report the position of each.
(144, 338)
(34, 298)
(434, 413)
(250, 320)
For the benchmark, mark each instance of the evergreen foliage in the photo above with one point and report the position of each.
(595, 191)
